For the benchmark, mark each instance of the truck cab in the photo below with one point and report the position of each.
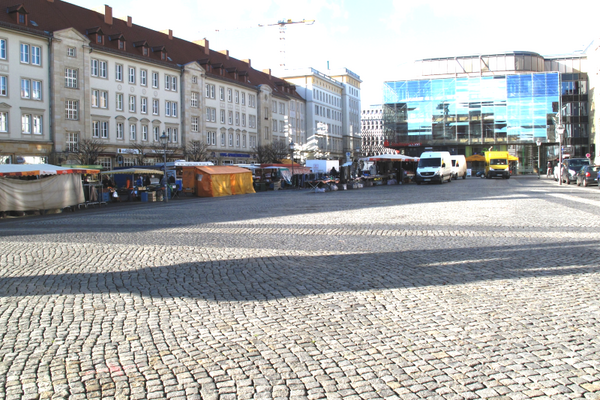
(496, 164)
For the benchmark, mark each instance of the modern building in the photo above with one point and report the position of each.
(332, 112)
(505, 101)
(85, 76)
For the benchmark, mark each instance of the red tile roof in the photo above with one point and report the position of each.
(51, 16)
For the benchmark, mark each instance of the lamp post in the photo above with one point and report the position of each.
(164, 139)
(292, 148)
(539, 143)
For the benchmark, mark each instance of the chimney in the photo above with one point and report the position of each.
(203, 43)
(247, 60)
(129, 21)
(267, 71)
(108, 15)
(226, 52)
(168, 32)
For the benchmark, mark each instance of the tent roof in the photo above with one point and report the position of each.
(222, 169)
(392, 157)
(41, 169)
(134, 171)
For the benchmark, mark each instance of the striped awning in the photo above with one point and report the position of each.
(41, 169)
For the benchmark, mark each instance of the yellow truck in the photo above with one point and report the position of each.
(496, 164)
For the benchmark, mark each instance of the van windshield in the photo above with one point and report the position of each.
(498, 161)
(429, 162)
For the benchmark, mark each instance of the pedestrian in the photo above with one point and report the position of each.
(549, 171)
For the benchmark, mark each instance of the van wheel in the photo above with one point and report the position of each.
(465, 175)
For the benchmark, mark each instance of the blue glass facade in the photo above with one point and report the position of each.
(496, 110)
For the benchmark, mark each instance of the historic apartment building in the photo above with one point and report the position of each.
(373, 138)
(87, 76)
(332, 112)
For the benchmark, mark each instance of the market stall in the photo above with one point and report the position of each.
(393, 168)
(135, 188)
(216, 181)
(30, 187)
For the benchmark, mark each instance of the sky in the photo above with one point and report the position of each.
(379, 41)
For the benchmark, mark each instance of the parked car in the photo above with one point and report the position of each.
(588, 175)
(571, 167)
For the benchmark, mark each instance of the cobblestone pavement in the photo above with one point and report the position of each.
(472, 289)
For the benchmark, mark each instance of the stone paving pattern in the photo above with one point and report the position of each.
(472, 289)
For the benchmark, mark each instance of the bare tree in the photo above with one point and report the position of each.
(87, 153)
(196, 150)
(140, 157)
(159, 150)
(262, 154)
(279, 151)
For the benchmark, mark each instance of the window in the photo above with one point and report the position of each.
(71, 52)
(266, 132)
(174, 135)
(274, 125)
(72, 141)
(212, 91)
(229, 98)
(174, 85)
(3, 121)
(237, 97)
(36, 90)
(237, 118)
(194, 79)
(274, 107)
(222, 113)
(230, 137)
(282, 108)
(207, 90)
(174, 109)
(211, 114)
(132, 75)
(132, 131)
(143, 80)
(155, 133)
(102, 69)
(119, 72)
(243, 119)
(155, 106)
(71, 107)
(103, 99)
(230, 117)
(243, 98)
(131, 103)
(167, 82)
(95, 129)
(252, 141)
(266, 112)
(24, 53)
(168, 108)
(104, 129)
(222, 140)
(2, 49)
(281, 126)
(71, 78)
(194, 100)
(252, 100)
(3, 87)
(26, 123)
(252, 121)
(221, 93)
(155, 80)
(195, 124)
(145, 133)
(144, 105)
(120, 130)
(244, 141)
(95, 97)
(94, 67)
(119, 101)
(25, 88)
(36, 55)
(237, 140)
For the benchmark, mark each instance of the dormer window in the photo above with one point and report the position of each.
(19, 13)
(95, 34)
(144, 46)
(120, 39)
(162, 50)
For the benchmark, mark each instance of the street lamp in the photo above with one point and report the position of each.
(292, 148)
(164, 139)
(539, 143)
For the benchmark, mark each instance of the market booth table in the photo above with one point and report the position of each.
(31, 187)
(130, 193)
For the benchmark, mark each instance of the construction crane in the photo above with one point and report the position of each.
(282, 24)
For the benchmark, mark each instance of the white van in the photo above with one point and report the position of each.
(459, 167)
(434, 166)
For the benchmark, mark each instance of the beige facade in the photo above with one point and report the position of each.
(25, 134)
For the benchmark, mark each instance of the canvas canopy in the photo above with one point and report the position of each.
(41, 169)
(216, 181)
(475, 157)
(52, 192)
(133, 171)
(392, 157)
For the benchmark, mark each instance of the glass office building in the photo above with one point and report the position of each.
(507, 101)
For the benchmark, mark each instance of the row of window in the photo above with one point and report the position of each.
(328, 112)
(327, 98)
(100, 100)
(28, 53)
(233, 96)
(99, 69)
(30, 123)
(30, 88)
(100, 130)
(240, 118)
(228, 139)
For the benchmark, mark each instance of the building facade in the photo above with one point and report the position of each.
(507, 101)
(92, 78)
(372, 135)
(332, 112)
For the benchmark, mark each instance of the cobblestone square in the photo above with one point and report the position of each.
(472, 289)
